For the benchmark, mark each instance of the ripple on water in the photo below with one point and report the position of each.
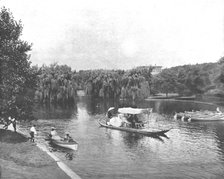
(190, 150)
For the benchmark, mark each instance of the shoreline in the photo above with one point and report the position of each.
(61, 170)
(60, 164)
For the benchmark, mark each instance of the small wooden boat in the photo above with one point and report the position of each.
(70, 145)
(148, 132)
(73, 145)
(200, 116)
(118, 125)
(186, 98)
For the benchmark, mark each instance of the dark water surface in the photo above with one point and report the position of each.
(190, 150)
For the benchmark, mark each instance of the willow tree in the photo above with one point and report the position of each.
(17, 78)
(136, 83)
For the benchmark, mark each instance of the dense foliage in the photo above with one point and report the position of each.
(20, 83)
(196, 79)
(137, 83)
(17, 78)
(103, 83)
(132, 83)
(60, 84)
(56, 83)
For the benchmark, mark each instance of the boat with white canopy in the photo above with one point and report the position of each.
(126, 118)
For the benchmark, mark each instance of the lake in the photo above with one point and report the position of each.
(189, 150)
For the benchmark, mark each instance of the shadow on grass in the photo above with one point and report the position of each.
(11, 137)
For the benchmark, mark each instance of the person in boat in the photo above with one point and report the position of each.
(137, 122)
(135, 118)
(131, 119)
(68, 138)
(54, 135)
(109, 115)
(124, 120)
(33, 132)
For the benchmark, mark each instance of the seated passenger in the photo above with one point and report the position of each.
(54, 134)
(131, 120)
(68, 138)
(135, 118)
(115, 121)
(124, 120)
(109, 114)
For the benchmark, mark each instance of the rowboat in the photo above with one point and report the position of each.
(69, 145)
(122, 123)
(73, 145)
(147, 132)
(186, 98)
(200, 116)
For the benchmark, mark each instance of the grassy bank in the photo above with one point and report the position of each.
(21, 159)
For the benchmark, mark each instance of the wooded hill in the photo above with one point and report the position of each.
(206, 78)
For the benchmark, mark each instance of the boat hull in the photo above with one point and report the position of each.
(132, 130)
(72, 145)
(69, 145)
(200, 116)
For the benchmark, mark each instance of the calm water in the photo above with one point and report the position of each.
(190, 150)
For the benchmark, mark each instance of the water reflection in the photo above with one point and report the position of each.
(219, 137)
(135, 140)
(98, 106)
(189, 150)
(55, 111)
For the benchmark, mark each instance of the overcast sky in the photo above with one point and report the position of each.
(90, 34)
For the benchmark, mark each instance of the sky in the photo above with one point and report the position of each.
(121, 34)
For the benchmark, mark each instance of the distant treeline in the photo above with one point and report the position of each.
(20, 83)
(58, 83)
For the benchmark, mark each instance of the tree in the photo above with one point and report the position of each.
(221, 60)
(197, 80)
(57, 84)
(165, 82)
(17, 78)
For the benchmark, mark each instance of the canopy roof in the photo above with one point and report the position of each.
(130, 110)
(111, 108)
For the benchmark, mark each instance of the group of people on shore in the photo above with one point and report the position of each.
(8, 122)
(33, 132)
(13, 122)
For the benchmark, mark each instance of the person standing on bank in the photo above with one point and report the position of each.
(14, 124)
(33, 132)
(6, 124)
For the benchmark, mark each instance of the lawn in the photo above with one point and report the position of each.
(21, 159)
